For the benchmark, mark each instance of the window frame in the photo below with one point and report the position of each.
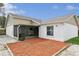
(50, 30)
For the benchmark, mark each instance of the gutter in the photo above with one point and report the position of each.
(77, 23)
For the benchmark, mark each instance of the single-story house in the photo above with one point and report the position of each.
(60, 28)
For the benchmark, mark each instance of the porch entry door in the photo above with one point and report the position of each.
(29, 31)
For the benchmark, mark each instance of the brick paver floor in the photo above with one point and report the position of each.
(36, 47)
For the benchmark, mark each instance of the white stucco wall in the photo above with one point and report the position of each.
(10, 31)
(70, 31)
(58, 32)
(62, 32)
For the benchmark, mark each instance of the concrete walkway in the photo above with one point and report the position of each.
(3, 40)
(6, 39)
(71, 51)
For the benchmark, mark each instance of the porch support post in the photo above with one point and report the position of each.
(18, 31)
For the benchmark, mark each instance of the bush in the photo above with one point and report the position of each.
(21, 37)
(2, 32)
(74, 40)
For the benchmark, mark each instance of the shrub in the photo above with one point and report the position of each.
(2, 31)
(21, 37)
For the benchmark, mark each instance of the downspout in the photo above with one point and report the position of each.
(18, 31)
(77, 23)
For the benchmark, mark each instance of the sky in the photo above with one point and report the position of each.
(42, 11)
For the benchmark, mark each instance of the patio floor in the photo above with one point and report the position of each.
(36, 47)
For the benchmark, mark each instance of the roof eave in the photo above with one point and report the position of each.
(52, 23)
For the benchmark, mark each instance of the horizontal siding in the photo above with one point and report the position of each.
(58, 32)
(70, 31)
(62, 32)
(10, 31)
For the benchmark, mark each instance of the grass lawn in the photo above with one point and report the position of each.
(74, 40)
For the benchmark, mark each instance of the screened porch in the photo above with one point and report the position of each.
(26, 31)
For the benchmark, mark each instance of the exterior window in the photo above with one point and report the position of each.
(50, 30)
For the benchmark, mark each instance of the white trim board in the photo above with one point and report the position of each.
(9, 50)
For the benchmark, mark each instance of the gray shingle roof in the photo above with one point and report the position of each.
(62, 19)
(24, 17)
